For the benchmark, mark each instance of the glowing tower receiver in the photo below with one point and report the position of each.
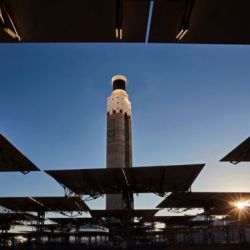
(119, 146)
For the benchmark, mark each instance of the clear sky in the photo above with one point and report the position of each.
(190, 104)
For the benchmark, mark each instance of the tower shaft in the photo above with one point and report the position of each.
(119, 148)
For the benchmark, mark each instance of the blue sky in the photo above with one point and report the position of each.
(190, 104)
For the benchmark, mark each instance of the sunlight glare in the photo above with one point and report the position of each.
(241, 204)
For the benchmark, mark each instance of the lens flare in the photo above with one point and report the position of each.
(241, 204)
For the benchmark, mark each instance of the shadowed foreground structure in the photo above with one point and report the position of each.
(168, 21)
(126, 228)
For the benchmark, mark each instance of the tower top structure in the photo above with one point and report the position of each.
(119, 82)
(119, 102)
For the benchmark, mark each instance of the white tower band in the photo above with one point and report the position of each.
(119, 146)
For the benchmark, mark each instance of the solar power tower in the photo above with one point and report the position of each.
(119, 146)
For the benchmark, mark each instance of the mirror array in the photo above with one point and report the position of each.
(181, 21)
(114, 226)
